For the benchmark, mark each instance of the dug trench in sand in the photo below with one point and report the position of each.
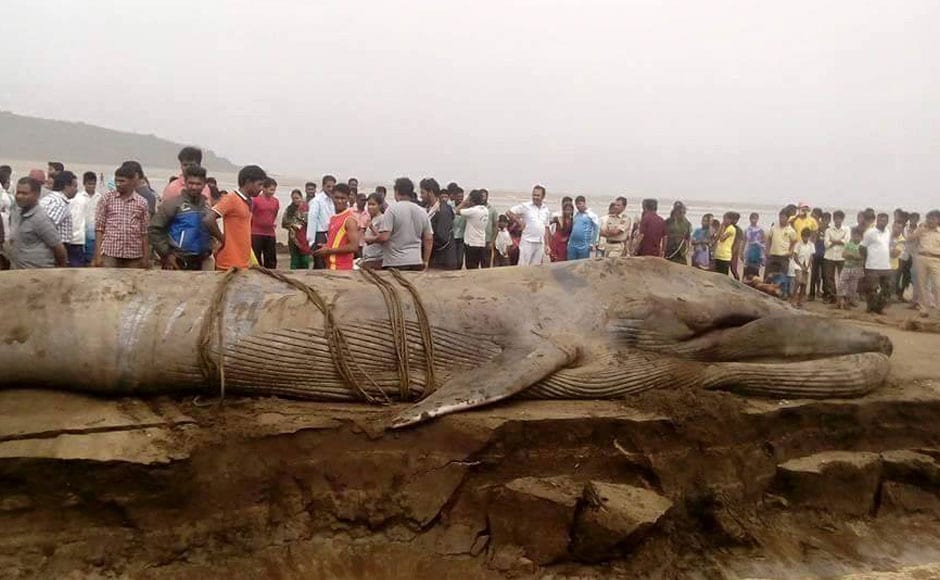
(637, 324)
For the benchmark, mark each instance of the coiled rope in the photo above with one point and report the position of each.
(340, 352)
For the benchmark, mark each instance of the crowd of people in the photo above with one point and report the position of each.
(52, 220)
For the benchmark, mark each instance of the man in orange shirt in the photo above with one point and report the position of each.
(188, 156)
(235, 211)
(342, 241)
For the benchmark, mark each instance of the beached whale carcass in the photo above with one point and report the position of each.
(448, 340)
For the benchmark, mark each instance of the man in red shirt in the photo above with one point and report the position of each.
(342, 241)
(187, 157)
(652, 231)
(264, 210)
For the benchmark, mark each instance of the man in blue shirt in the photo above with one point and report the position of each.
(584, 231)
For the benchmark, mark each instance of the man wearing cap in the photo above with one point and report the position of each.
(803, 221)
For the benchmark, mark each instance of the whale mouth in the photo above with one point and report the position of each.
(768, 339)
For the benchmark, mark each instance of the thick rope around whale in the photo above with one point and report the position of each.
(340, 352)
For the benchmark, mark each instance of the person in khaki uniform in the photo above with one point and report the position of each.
(615, 230)
(927, 262)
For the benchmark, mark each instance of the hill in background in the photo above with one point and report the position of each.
(34, 138)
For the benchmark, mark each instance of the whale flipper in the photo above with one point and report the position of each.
(512, 371)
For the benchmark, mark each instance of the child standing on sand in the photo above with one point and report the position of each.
(503, 243)
(852, 272)
(800, 264)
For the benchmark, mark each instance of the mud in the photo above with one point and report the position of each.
(670, 484)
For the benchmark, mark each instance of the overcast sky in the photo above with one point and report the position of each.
(837, 102)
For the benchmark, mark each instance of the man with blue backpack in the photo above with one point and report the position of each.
(177, 233)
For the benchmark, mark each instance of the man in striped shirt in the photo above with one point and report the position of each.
(56, 204)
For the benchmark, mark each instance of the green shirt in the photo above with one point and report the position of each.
(853, 258)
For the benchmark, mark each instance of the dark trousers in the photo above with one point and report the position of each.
(475, 257)
(461, 249)
(815, 279)
(832, 269)
(409, 268)
(76, 254)
(319, 262)
(904, 276)
(777, 265)
(880, 287)
(488, 255)
(723, 266)
(190, 263)
(265, 249)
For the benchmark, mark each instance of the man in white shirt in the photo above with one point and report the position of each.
(834, 239)
(75, 246)
(476, 214)
(6, 198)
(534, 218)
(6, 206)
(876, 251)
(318, 219)
(90, 197)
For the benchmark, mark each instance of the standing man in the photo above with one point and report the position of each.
(53, 168)
(615, 229)
(353, 184)
(121, 222)
(533, 218)
(188, 157)
(819, 240)
(177, 233)
(834, 239)
(90, 198)
(652, 231)
(318, 219)
(876, 252)
(460, 224)
(342, 241)
(36, 242)
(927, 262)
(6, 198)
(235, 211)
(443, 254)
(143, 188)
(584, 231)
(803, 220)
(56, 204)
(310, 191)
(475, 215)
(264, 209)
(75, 245)
(783, 239)
(405, 229)
(491, 228)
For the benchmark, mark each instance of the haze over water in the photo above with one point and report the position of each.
(832, 102)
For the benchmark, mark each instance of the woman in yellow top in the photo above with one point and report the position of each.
(725, 248)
